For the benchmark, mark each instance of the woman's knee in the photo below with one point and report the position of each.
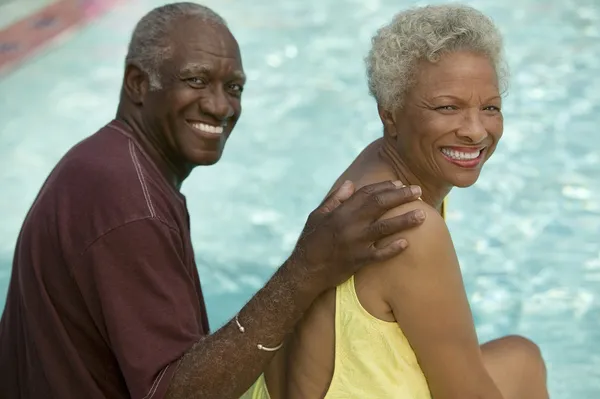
(524, 354)
(517, 366)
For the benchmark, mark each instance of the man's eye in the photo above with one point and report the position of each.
(196, 81)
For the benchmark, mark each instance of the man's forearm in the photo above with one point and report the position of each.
(225, 364)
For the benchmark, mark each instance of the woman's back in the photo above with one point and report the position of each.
(348, 345)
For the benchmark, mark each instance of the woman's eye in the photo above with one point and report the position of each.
(492, 108)
(237, 87)
(447, 108)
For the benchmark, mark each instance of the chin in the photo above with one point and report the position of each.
(207, 161)
(203, 158)
(463, 184)
(464, 180)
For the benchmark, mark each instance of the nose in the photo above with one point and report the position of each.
(217, 105)
(472, 128)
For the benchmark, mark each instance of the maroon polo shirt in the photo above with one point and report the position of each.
(104, 296)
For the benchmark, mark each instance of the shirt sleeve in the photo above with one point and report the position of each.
(144, 301)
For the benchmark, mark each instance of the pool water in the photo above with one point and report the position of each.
(527, 234)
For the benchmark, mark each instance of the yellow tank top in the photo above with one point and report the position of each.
(373, 358)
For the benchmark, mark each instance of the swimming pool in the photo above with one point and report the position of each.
(527, 234)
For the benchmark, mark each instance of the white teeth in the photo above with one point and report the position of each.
(458, 155)
(208, 128)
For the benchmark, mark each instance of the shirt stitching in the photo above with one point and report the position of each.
(140, 175)
(115, 126)
(109, 231)
(156, 383)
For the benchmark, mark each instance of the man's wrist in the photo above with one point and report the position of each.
(305, 280)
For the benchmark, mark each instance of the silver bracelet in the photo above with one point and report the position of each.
(240, 327)
(259, 346)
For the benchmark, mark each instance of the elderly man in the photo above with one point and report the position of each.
(105, 300)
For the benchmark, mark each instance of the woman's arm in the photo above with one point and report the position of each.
(424, 288)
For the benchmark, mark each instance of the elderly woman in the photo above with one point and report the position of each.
(403, 328)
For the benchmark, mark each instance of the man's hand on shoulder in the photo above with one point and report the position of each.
(346, 232)
(433, 227)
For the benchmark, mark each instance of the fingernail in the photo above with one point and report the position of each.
(420, 215)
(402, 243)
(398, 183)
(346, 184)
(416, 190)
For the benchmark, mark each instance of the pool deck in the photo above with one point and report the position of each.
(25, 35)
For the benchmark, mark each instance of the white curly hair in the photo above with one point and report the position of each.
(426, 33)
(151, 43)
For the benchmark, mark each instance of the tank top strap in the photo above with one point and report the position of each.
(345, 295)
(347, 304)
(444, 207)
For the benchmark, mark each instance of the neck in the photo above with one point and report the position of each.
(433, 193)
(155, 146)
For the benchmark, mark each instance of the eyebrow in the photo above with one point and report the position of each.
(206, 69)
(460, 99)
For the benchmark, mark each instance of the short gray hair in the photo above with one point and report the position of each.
(425, 33)
(151, 43)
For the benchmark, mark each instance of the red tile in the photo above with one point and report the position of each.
(22, 39)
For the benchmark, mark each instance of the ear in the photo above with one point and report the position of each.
(387, 118)
(135, 84)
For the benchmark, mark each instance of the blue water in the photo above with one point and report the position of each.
(527, 234)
